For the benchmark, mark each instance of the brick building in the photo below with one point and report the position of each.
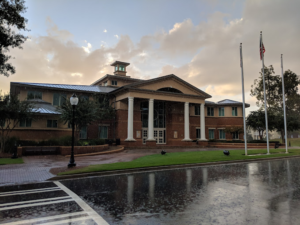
(161, 111)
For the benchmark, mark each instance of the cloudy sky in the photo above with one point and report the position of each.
(75, 41)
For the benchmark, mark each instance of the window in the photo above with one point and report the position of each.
(2, 123)
(121, 68)
(25, 123)
(105, 83)
(211, 133)
(83, 133)
(198, 133)
(235, 135)
(84, 97)
(234, 111)
(210, 111)
(59, 99)
(103, 132)
(221, 111)
(222, 134)
(51, 123)
(197, 110)
(34, 95)
(114, 82)
(116, 68)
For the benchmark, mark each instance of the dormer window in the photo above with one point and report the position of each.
(105, 83)
(114, 82)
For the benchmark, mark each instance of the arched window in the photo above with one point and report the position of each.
(169, 89)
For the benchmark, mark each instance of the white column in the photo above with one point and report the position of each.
(186, 122)
(202, 122)
(130, 120)
(150, 120)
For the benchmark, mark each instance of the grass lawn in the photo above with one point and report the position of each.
(178, 158)
(294, 141)
(4, 161)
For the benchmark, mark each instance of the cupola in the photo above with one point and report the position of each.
(120, 68)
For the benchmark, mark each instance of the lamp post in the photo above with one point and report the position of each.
(74, 102)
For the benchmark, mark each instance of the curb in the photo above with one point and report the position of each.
(98, 153)
(159, 168)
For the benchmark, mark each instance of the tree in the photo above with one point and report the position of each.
(10, 21)
(231, 130)
(274, 97)
(12, 112)
(256, 121)
(87, 112)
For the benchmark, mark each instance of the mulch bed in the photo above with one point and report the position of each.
(57, 170)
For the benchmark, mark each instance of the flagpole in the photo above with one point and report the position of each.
(266, 112)
(284, 113)
(242, 71)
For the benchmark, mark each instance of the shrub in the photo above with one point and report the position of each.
(10, 143)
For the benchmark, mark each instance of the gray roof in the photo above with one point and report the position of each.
(69, 87)
(43, 107)
(227, 102)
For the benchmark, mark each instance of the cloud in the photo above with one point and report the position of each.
(87, 48)
(205, 54)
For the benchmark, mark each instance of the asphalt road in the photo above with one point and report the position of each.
(246, 193)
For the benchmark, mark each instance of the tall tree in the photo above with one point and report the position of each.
(11, 21)
(87, 111)
(12, 112)
(275, 100)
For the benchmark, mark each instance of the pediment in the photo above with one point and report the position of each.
(170, 81)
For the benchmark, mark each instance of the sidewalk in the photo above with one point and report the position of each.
(41, 168)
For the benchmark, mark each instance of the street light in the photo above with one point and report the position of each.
(74, 102)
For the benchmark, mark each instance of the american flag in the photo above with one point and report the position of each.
(261, 48)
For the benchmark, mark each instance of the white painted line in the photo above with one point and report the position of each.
(35, 201)
(68, 221)
(31, 192)
(95, 216)
(46, 218)
(35, 204)
(28, 191)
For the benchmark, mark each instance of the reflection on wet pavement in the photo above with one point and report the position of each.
(246, 193)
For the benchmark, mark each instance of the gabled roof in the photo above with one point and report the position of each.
(69, 87)
(226, 102)
(143, 82)
(43, 107)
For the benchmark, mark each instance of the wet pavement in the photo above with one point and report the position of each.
(41, 168)
(265, 192)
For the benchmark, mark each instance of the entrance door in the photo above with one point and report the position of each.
(159, 135)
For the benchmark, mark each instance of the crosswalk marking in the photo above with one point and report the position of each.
(31, 191)
(94, 215)
(35, 201)
(47, 218)
(36, 204)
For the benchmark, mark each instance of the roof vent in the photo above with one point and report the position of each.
(120, 68)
